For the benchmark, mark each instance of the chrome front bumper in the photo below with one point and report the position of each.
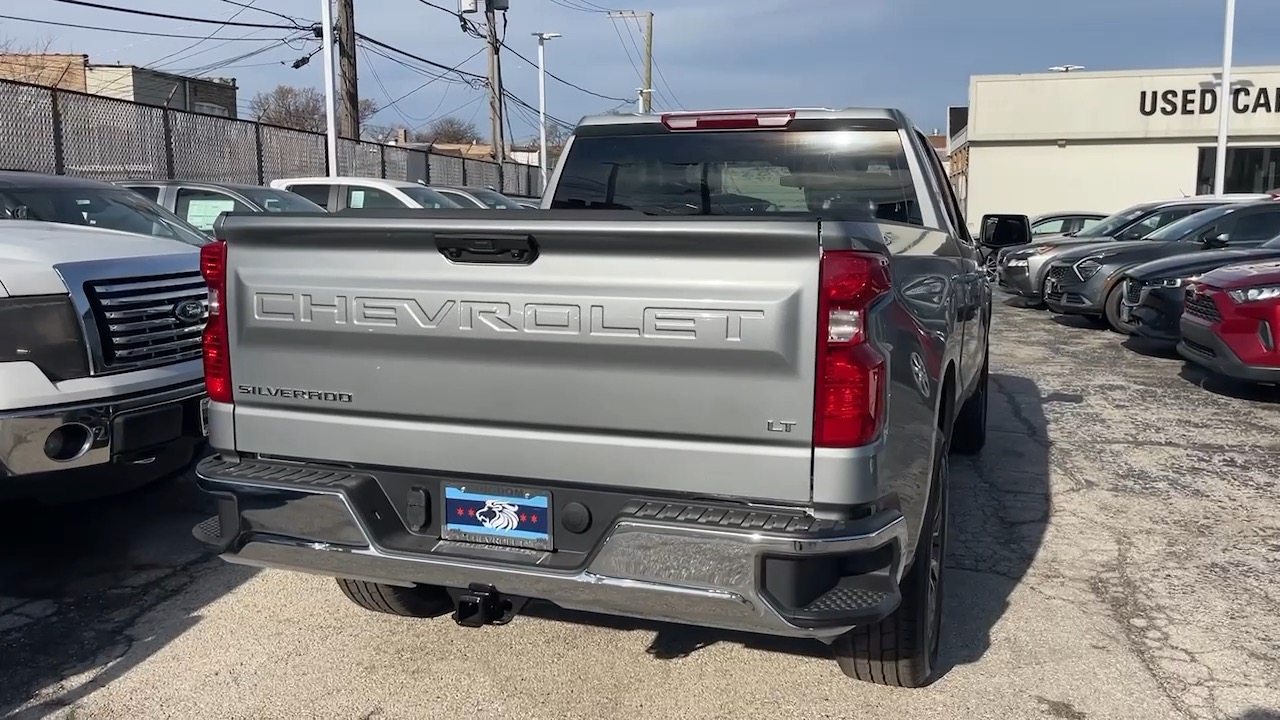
(666, 568)
(24, 433)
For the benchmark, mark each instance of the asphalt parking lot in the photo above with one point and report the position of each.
(1115, 555)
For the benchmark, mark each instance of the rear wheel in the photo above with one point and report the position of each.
(902, 649)
(421, 601)
(1111, 308)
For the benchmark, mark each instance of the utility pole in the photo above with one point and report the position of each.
(646, 93)
(495, 79)
(348, 95)
(330, 114)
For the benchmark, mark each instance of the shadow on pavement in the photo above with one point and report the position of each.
(75, 580)
(1017, 301)
(1259, 714)
(1229, 387)
(999, 513)
(1083, 322)
(1151, 348)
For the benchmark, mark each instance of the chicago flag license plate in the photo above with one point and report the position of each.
(496, 515)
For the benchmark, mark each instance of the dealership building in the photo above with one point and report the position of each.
(1101, 141)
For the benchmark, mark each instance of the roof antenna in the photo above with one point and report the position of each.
(1184, 193)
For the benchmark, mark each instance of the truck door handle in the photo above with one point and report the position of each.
(487, 248)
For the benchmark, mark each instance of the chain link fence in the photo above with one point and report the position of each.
(70, 133)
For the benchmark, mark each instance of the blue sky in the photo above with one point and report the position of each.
(912, 54)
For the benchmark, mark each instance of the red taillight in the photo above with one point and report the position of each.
(217, 361)
(728, 120)
(849, 389)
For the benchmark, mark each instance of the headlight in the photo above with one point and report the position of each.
(1255, 294)
(1016, 262)
(43, 330)
(1088, 267)
(1172, 282)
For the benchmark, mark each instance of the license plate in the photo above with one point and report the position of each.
(497, 515)
(204, 417)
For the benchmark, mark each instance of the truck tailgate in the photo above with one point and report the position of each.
(671, 354)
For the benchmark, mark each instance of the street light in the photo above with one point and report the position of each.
(1224, 101)
(330, 82)
(543, 37)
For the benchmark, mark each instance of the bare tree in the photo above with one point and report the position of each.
(449, 130)
(299, 108)
(557, 136)
(27, 61)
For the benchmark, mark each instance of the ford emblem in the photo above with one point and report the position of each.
(189, 312)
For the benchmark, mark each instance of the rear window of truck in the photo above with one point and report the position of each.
(847, 174)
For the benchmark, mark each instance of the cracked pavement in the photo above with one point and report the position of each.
(1114, 555)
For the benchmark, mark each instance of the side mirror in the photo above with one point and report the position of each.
(1001, 231)
(1217, 240)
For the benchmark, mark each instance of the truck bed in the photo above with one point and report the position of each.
(667, 354)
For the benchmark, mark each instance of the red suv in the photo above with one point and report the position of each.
(1231, 321)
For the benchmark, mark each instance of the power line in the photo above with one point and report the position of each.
(377, 79)
(422, 60)
(464, 78)
(197, 43)
(392, 103)
(227, 41)
(561, 80)
(184, 18)
(471, 29)
(579, 6)
(120, 30)
(282, 16)
(516, 99)
(220, 64)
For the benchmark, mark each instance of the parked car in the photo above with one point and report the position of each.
(351, 193)
(200, 202)
(1232, 321)
(478, 197)
(100, 369)
(718, 496)
(1022, 270)
(1064, 222)
(77, 201)
(1087, 280)
(1155, 291)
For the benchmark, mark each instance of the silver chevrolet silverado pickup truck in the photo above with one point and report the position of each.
(713, 381)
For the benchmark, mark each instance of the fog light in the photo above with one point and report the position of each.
(1265, 337)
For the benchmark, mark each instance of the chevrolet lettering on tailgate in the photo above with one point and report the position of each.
(428, 312)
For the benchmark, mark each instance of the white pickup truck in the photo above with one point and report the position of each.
(100, 374)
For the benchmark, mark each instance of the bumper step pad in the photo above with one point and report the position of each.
(865, 595)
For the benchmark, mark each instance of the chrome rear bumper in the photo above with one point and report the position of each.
(674, 564)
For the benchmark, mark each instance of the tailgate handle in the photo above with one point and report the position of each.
(495, 249)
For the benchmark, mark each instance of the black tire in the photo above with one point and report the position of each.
(421, 601)
(1111, 310)
(969, 432)
(902, 649)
